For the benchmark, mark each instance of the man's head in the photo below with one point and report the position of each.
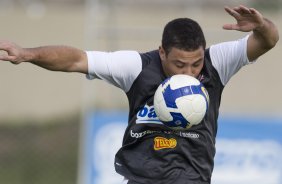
(182, 49)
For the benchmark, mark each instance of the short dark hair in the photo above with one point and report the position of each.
(183, 33)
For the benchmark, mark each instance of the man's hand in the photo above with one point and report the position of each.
(264, 33)
(248, 19)
(12, 52)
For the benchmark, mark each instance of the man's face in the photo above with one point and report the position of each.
(182, 62)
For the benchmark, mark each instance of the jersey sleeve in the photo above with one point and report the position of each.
(229, 57)
(119, 68)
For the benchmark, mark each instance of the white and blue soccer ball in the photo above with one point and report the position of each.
(181, 101)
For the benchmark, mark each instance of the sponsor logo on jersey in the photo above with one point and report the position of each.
(164, 143)
(190, 135)
(147, 114)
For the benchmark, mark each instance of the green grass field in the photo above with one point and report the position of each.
(39, 154)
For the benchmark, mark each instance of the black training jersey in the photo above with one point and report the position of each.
(152, 153)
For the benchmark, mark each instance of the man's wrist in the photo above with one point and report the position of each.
(261, 28)
(29, 55)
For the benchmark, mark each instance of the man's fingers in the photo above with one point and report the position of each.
(230, 27)
(232, 12)
(254, 11)
(4, 45)
(9, 52)
(8, 58)
(242, 9)
(245, 10)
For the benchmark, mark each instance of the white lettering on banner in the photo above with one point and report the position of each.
(247, 161)
(147, 114)
(181, 134)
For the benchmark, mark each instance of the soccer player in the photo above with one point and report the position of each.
(148, 154)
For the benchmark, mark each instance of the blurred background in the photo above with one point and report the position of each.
(44, 115)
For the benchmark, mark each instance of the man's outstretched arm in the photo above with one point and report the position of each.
(264, 33)
(55, 58)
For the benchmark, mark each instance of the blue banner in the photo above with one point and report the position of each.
(248, 149)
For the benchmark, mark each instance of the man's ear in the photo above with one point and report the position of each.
(162, 53)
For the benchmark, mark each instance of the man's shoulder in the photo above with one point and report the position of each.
(150, 56)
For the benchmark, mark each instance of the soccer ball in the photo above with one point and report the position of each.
(181, 101)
